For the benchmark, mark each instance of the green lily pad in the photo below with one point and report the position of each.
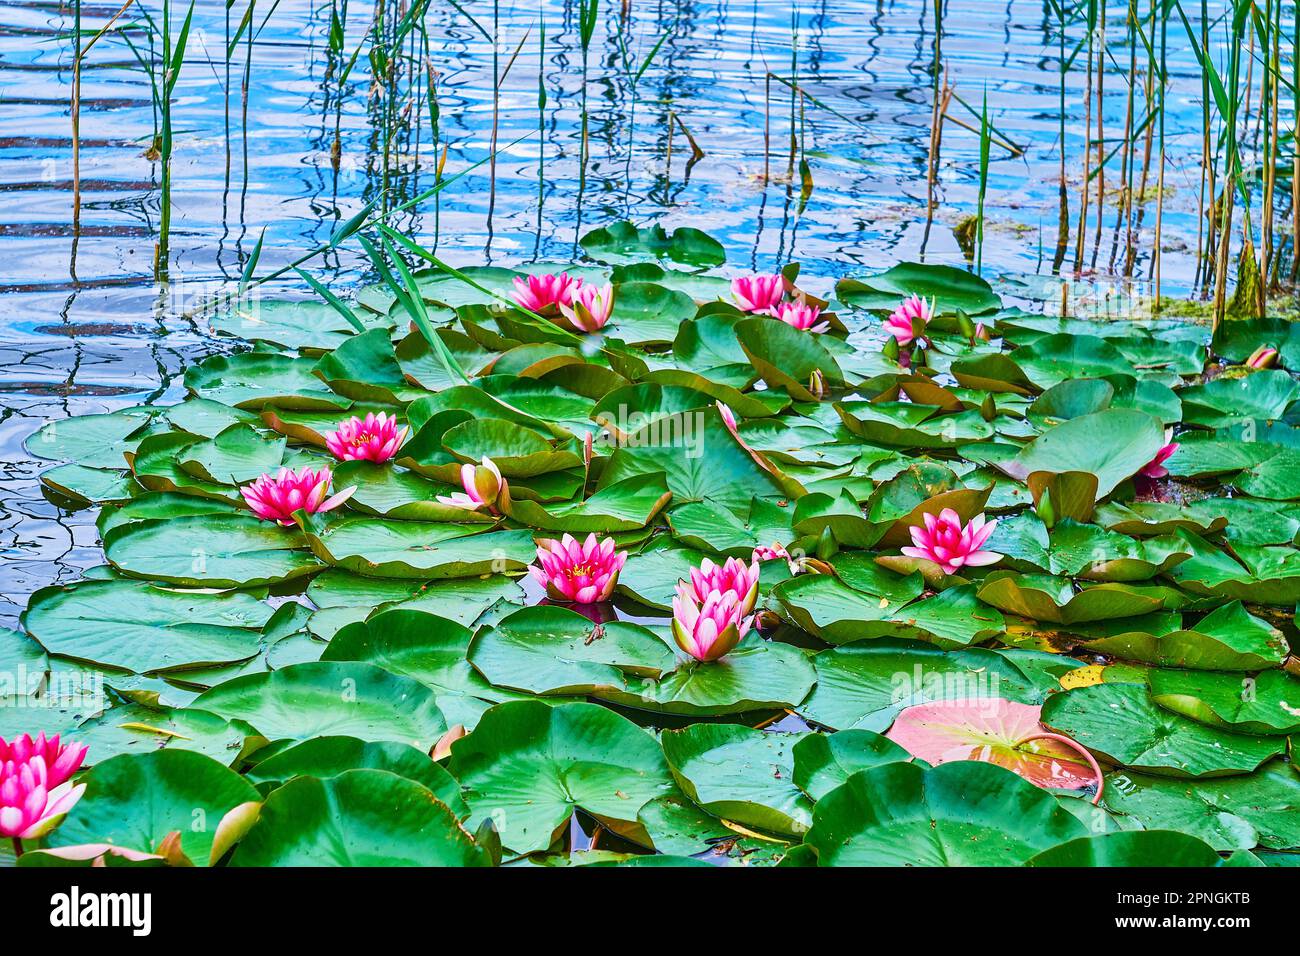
(1238, 340)
(421, 549)
(908, 425)
(139, 627)
(1229, 813)
(1112, 445)
(463, 600)
(306, 324)
(707, 465)
(623, 242)
(210, 550)
(824, 761)
(817, 512)
(677, 826)
(646, 313)
(553, 650)
(755, 675)
(238, 454)
(740, 774)
(90, 486)
(839, 614)
(963, 813)
(626, 505)
(325, 757)
(519, 452)
(951, 289)
(256, 379)
(864, 685)
(528, 765)
(786, 357)
(1227, 639)
(94, 441)
(422, 646)
(1264, 704)
(1122, 724)
(1260, 575)
(1053, 359)
(365, 368)
(358, 818)
(1130, 848)
(706, 526)
(1045, 598)
(135, 800)
(330, 699)
(135, 728)
(1261, 395)
(393, 492)
(651, 575)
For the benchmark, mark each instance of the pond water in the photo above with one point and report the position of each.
(84, 326)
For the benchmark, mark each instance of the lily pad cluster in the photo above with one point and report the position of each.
(379, 680)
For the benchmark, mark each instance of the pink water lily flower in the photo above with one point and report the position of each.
(35, 784)
(798, 562)
(589, 307)
(1155, 468)
(1263, 357)
(546, 294)
(943, 540)
(901, 323)
(374, 438)
(578, 573)
(735, 577)
(758, 293)
(800, 315)
(728, 418)
(773, 552)
(276, 499)
(484, 487)
(710, 627)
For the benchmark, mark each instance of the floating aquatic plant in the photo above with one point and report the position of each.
(632, 493)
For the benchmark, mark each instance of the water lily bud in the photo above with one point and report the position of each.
(989, 408)
(965, 326)
(827, 546)
(1045, 510)
(484, 487)
(817, 384)
(1263, 357)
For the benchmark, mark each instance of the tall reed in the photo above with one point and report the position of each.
(162, 84)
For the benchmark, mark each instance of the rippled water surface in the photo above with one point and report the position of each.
(85, 328)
